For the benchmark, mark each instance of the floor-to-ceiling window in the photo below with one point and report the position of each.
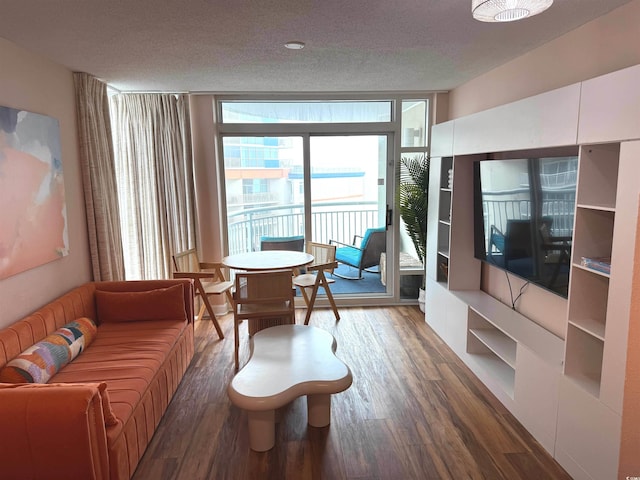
(322, 169)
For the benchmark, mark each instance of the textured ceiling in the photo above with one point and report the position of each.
(237, 45)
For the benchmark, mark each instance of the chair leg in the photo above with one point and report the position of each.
(311, 302)
(305, 295)
(236, 342)
(327, 290)
(205, 300)
(321, 280)
(345, 277)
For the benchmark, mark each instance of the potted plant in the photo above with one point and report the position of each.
(413, 201)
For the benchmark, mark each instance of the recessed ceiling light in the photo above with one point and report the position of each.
(294, 45)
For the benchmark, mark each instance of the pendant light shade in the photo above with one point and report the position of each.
(507, 10)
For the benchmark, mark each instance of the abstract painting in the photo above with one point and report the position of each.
(33, 217)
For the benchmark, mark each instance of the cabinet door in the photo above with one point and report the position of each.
(609, 107)
(536, 396)
(442, 139)
(588, 435)
(549, 119)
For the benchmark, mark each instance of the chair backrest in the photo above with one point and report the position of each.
(496, 239)
(264, 287)
(544, 228)
(374, 242)
(186, 261)
(323, 253)
(518, 240)
(295, 243)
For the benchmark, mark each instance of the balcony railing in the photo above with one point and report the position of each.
(330, 221)
(557, 206)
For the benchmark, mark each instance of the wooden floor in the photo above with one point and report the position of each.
(414, 411)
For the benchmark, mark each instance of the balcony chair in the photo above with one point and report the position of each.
(364, 256)
(324, 262)
(208, 279)
(264, 299)
(295, 243)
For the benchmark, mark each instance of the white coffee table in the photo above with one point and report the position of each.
(288, 361)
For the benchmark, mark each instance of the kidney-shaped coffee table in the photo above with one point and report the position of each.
(288, 361)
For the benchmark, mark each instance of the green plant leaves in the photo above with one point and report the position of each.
(413, 200)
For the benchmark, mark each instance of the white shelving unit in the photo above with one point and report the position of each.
(589, 288)
(569, 392)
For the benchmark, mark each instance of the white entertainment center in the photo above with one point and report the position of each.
(568, 392)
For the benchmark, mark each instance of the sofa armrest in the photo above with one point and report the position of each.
(52, 428)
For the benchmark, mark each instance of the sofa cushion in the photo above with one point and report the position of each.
(127, 356)
(159, 304)
(38, 363)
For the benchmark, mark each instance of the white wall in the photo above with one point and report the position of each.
(33, 83)
(609, 43)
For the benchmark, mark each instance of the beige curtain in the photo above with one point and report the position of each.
(98, 178)
(154, 169)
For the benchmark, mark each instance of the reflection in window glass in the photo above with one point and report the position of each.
(307, 112)
(259, 197)
(414, 121)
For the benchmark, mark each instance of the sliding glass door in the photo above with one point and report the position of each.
(325, 170)
(265, 193)
(348, 196)
(262, 197)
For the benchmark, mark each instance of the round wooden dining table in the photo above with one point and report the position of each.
(267, 260)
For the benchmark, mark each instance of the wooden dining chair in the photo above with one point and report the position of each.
(263, 298)
(208, 279)
(324, 262)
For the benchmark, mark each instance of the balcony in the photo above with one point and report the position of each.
(330, 221)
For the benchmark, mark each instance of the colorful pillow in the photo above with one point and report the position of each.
(159, 304)
(41, 361)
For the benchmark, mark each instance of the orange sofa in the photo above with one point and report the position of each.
(72, 427)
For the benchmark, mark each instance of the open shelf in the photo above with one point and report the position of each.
(583, 363)
(602, 208)
(598, 176)
(445, 195)
(500, 371)
(492, 349)
(485, 312)
(591, 326)
(443, 267)
(498, 343)
(592, 270)
(593, 234)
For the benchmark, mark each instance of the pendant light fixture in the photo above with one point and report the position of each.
(507, 10)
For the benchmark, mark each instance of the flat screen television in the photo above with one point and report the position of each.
(523, 217)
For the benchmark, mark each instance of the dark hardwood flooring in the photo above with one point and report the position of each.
(414, 411)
